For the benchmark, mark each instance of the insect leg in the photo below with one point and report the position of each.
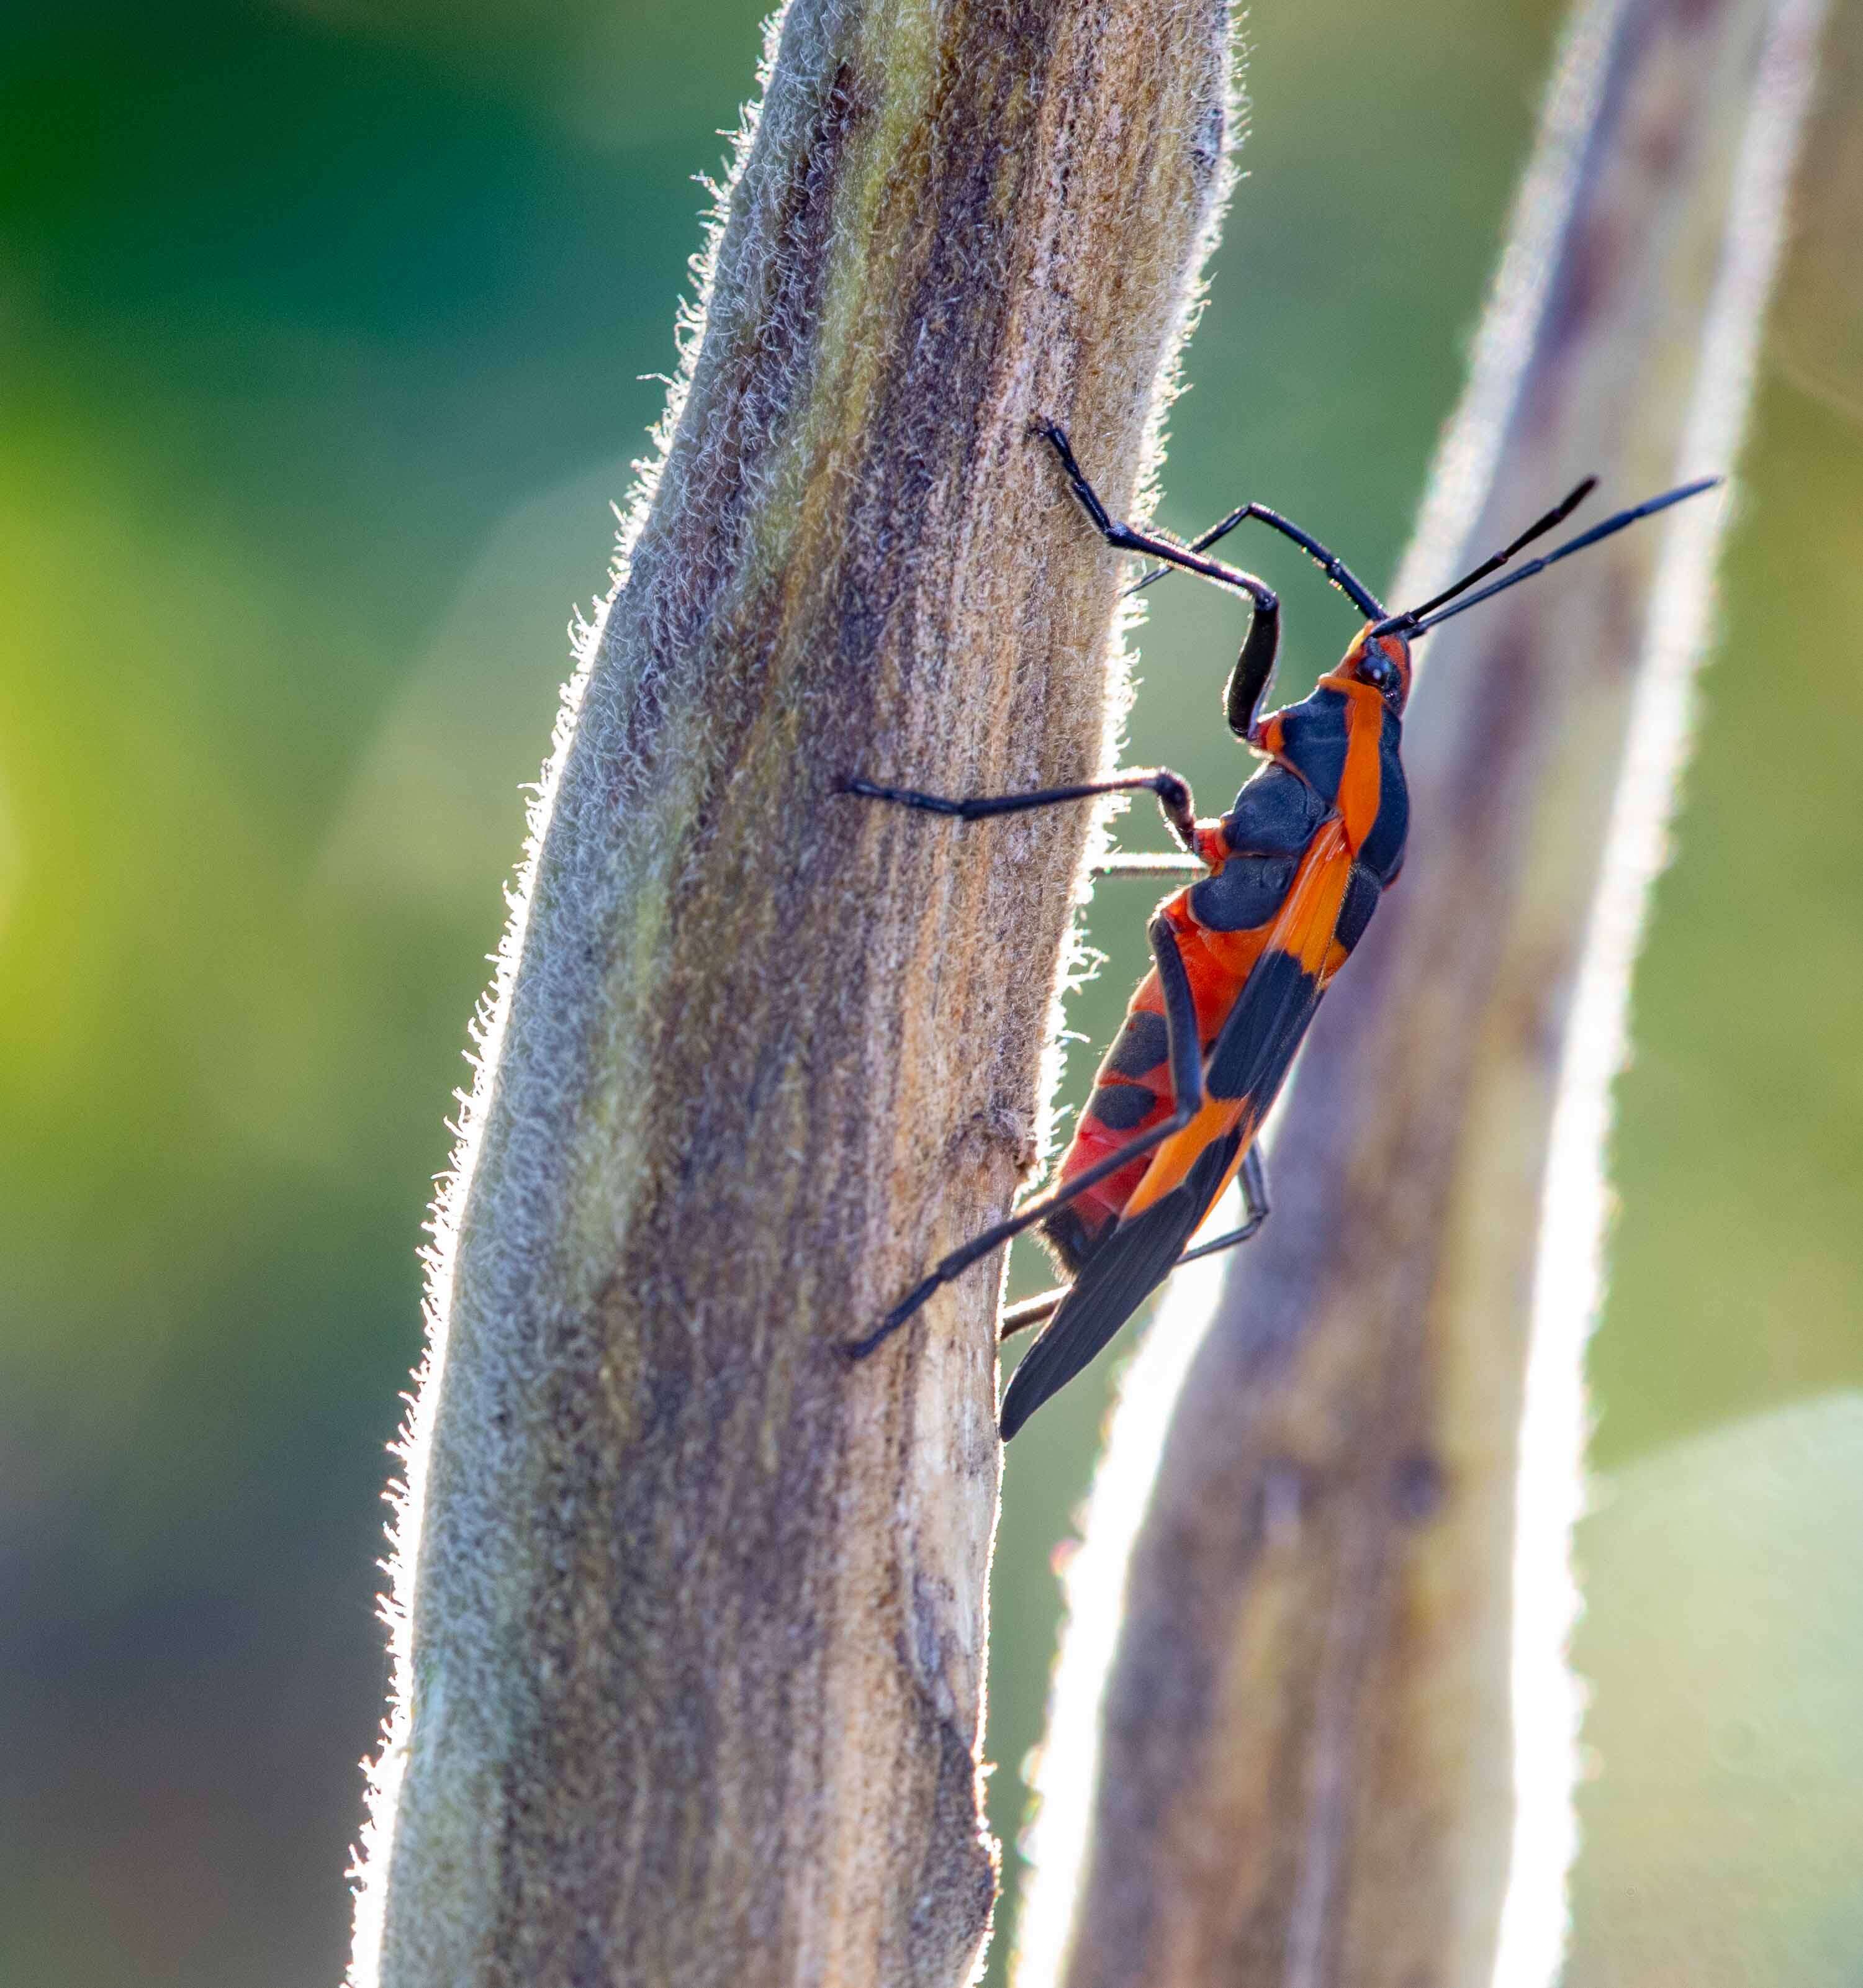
(1167, 863)
(1255, 1207)
(1172, 791)
(1255, 667)
(1327, 561)
(1130, 538)
(1186, 1050)
(1037, 1310)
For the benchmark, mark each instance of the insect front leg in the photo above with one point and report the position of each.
(1184, 1050)
(1326, 560)
(1254, 666)
(1133, 538)
(1172, 791)
(1037, 1311)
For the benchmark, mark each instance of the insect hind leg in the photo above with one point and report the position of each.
(1037, 1311)
(1185, 1052)
(1255, 1207)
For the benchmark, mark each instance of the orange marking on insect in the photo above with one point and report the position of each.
(1175, 1158)
(1235, 953)
(1304, 929)
(1361, 785)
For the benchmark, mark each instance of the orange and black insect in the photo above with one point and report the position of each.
(1287, 882)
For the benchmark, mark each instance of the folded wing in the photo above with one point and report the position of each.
(1242, 1074)
(1129, 1264)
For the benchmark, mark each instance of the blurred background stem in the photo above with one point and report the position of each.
(1335, 1741)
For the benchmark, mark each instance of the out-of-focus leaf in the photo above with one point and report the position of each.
(1722, 1635)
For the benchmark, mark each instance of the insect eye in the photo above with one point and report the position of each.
(1377, 670)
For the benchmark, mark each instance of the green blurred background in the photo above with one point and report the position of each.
(322, 328)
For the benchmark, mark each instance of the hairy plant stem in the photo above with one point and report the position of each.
(688, 1661)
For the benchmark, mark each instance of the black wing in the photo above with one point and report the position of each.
(1247, 1064)
(1133, 1261)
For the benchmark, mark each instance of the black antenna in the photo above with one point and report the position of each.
(1557, 516)
(1417, 619)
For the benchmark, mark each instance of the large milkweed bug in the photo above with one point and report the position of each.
(1285, 883)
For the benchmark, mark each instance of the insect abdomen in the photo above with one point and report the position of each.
(1131, 1092)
